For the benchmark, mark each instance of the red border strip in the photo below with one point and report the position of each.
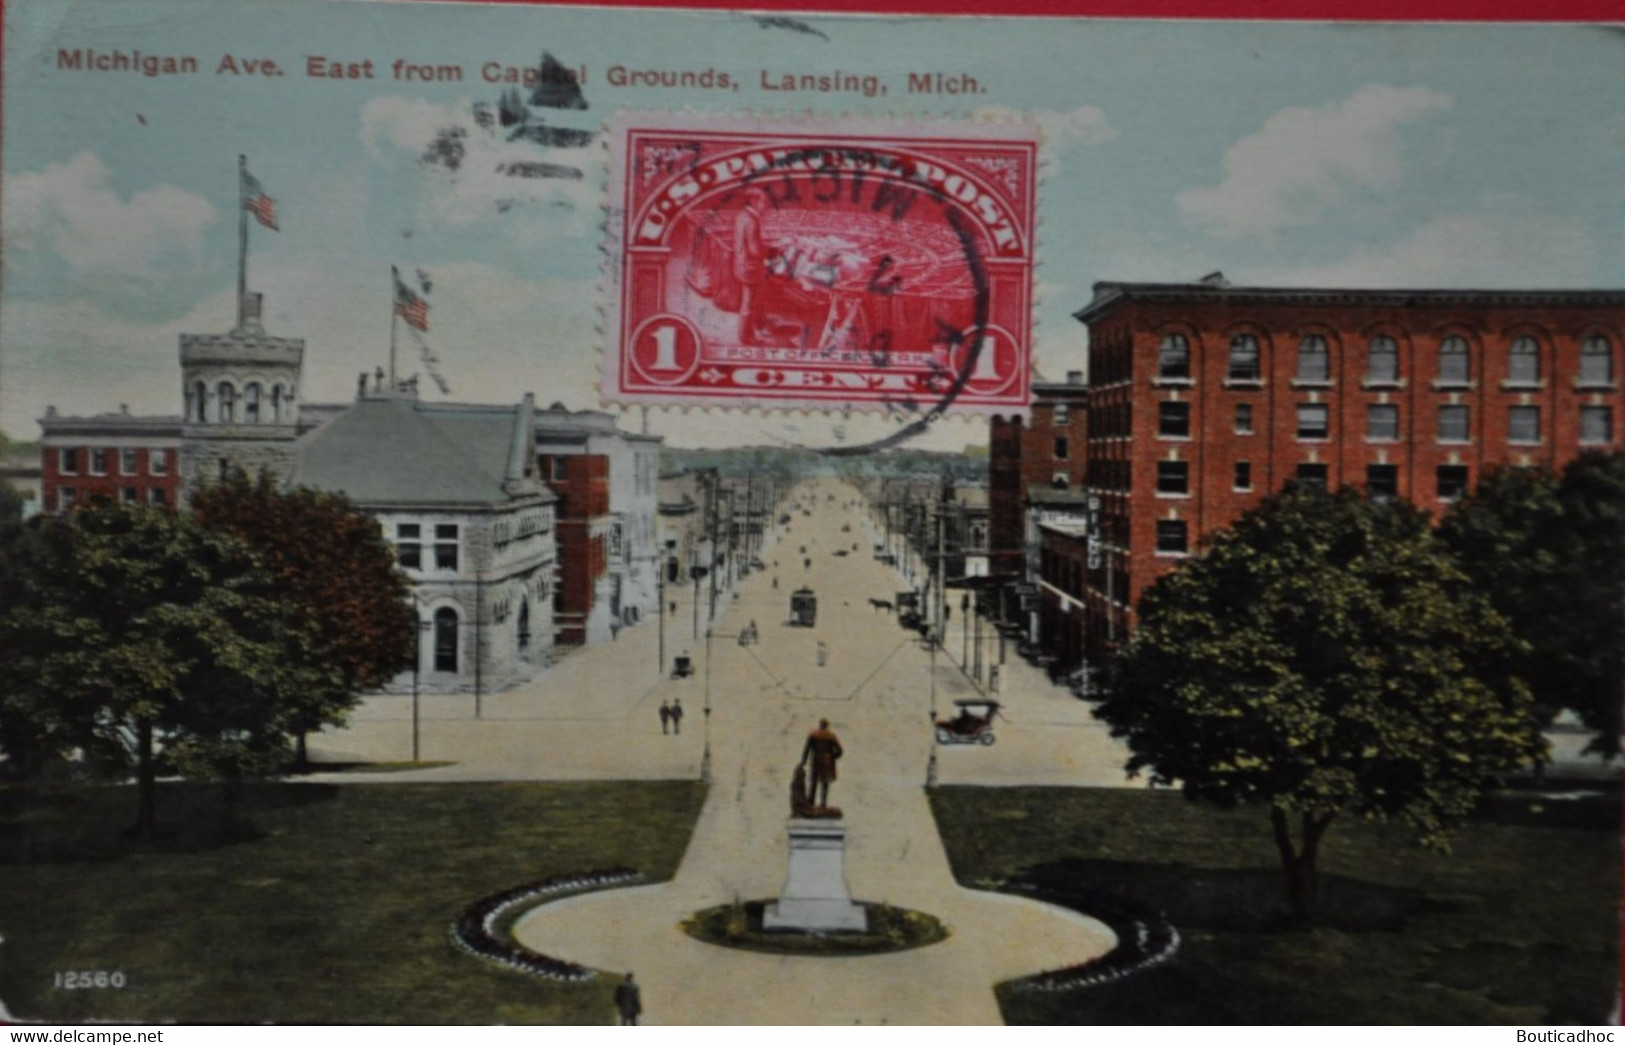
(1226, 10)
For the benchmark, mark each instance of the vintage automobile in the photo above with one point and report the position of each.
(972, 725)
(803, 608)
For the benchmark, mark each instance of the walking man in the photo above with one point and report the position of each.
(629, 1001)
(665, 716)
(676, 715)
(822, 750)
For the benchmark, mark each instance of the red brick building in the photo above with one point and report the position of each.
(119, 456)
(1035, 473)
(583, 524)
(1204, 398)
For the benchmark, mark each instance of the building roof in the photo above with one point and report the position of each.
(120, 422)
(401, 451)
(1109, 295)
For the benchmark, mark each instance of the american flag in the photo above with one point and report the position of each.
(409, 306)
(256, 202)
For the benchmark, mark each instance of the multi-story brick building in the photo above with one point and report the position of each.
(1035, 475)
(1204, 398)
(120, 456)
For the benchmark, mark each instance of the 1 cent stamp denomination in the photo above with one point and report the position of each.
(803, 262)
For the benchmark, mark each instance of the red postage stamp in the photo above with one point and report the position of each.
(799, 262)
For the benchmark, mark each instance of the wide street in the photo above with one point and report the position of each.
(594, 716)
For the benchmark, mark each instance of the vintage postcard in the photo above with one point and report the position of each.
(527, 514)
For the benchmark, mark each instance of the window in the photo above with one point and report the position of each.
(1243, 358)
(156, 495)
(1244, 419)
(1523, 362)
(561, 468)
(98, 462)
(1453, 366)
(445, 546)
(1171, 537)
(1244, 475)
(1382, 423)
(1452, 482)
(127, 462)
(524, 624)
(1060, 448)
(1523, 424)
(1382, 362)
(228, 402)
(1314, 361)
(1174, 357)
(129, 495)
(1453, 424)
(1312, 421)
(445, 640)
(200, 401)
(1382, 481)
(1596, 361)
(158, 462)
(276, 402)
(1174, 477)
(65, 497)
(1059, 481)
(1063, 415)
(1312, 476)
(67, 460)
(408, 546)
(1596, 424)
(1174, 420)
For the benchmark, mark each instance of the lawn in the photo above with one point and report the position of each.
(1519, 924)
(306, 903)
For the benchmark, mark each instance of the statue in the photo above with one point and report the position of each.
(801, 806)
(819, 754)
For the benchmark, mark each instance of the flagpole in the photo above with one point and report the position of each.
(394, 320)
(242, 235)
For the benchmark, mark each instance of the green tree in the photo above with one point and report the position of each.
(135, 630)
(1324, 656)
(1550, 554)
(336, 571)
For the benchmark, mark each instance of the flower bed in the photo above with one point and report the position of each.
(890, 929)
(1144, 938)
(481, 927)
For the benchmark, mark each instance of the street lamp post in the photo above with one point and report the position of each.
(417, 667)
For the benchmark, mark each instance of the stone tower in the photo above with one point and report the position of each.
(242, 400)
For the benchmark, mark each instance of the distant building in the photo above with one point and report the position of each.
(1205, 398)
(455, 488)
(123, 456)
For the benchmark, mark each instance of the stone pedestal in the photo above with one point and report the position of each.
(815, 897)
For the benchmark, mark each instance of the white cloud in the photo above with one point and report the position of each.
(1085, 125)
(1306, 160)
(481, 187)
(1457, 250)
(135, 244)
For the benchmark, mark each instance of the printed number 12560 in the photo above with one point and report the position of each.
(74, 981)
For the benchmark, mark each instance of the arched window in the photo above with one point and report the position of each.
(251, 402)
(200, 402)
(1523, 361)
(228, 402)
(1244, 358)
(1453, 361)
(1174, 357)
(1382, 360)
(1314, 361)
(524, 624)
(445, 640)
(1596, 361)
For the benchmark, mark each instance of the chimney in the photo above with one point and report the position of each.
(248, 313)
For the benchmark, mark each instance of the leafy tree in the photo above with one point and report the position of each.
(1550, 554)
(1323, 656)
(135, 628)
(336, 571)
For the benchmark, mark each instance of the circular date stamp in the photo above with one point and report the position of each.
(802, 262)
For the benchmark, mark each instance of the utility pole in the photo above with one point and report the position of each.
(711, 518)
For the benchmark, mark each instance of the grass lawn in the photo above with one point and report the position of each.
(307, 902)
(1519, 924)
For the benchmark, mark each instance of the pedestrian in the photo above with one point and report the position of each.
(676, 715)
(775, 583)
(629, 1001)
(674, 607)
(993, 679)
(665, 716)
(823, 653)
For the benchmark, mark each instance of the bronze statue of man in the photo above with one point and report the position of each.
(821, 752)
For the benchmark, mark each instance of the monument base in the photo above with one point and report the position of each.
(815, 897)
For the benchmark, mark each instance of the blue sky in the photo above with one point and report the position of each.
(1439, 156)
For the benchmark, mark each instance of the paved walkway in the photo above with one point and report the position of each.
(875, 690)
